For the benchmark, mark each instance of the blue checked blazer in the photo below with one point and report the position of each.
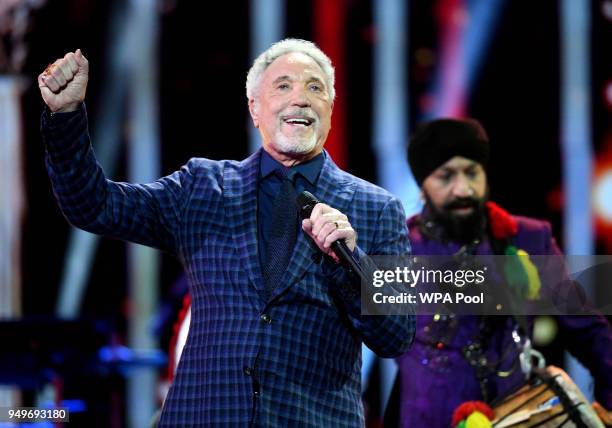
(294, 360)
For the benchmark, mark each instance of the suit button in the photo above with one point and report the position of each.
(247, 370)
(266, 318)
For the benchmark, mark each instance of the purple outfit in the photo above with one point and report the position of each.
(436, 375)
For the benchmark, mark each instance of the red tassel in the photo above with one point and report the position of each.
(503, 225)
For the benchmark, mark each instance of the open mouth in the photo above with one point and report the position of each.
(462, 207)
(298, 121)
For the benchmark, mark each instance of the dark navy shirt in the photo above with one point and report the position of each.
(304, 177)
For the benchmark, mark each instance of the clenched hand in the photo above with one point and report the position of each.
(63, 84)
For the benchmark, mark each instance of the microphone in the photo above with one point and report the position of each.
(306, 201)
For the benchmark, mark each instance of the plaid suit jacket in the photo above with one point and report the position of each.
(294, 360)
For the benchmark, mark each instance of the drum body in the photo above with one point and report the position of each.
(552, 399)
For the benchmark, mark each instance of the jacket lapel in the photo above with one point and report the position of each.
(333, 189)
(240, 200)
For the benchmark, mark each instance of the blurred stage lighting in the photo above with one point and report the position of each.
(602, 195)
(608, 93)
(606, 9)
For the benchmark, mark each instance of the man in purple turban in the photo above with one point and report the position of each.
(456, 358)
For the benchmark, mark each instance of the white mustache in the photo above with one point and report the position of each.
(306, 113)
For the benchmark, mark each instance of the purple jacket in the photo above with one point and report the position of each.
(436, 378)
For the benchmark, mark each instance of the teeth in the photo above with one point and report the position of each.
(298, 121)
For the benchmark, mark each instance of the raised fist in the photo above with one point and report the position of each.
(63, 84)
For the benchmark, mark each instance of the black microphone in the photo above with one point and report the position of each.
(306, 201)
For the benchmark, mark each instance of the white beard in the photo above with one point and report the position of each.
(296, 146)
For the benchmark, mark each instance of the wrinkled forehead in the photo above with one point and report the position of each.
(294, 66)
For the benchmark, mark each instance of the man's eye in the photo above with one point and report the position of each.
(472, 174)
(315, 88)
(283, 86)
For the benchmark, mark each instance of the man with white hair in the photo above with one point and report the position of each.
(276, 331)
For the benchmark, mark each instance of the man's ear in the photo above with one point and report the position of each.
(253, 110)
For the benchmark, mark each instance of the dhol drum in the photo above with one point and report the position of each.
(550, 400)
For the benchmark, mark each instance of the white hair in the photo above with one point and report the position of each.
(284, 47)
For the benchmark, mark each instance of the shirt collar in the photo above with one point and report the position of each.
(309, 170)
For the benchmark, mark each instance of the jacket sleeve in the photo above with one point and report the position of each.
(148, 214)
(389, 333)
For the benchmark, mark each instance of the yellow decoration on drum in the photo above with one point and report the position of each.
(472, 414)
(477, 420)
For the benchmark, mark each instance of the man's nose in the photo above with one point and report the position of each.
(462, 187)
(300, 98)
